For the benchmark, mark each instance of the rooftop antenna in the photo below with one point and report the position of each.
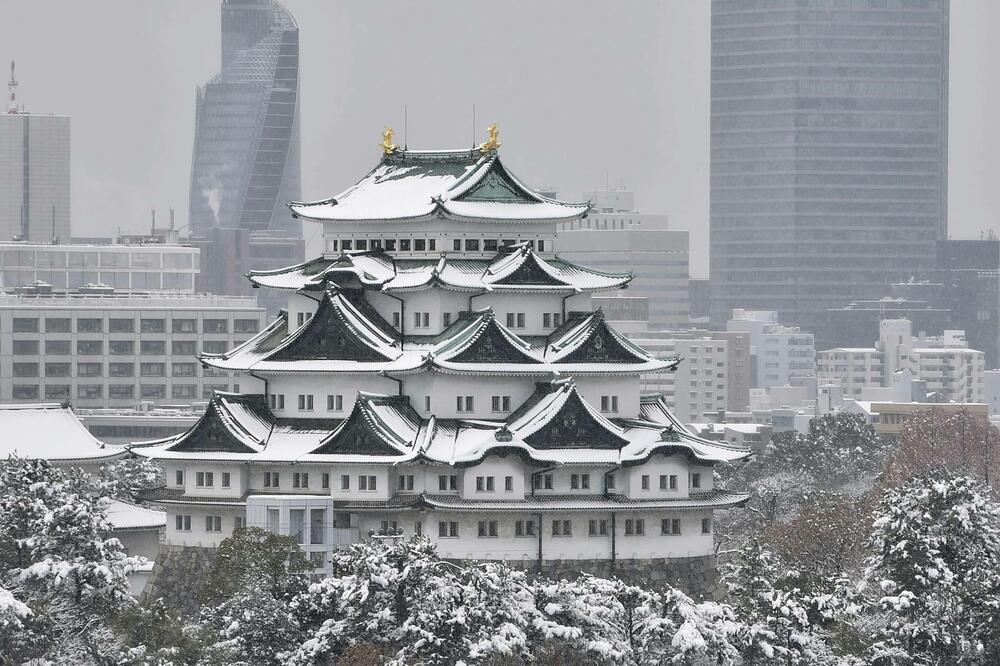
(152, 231)
(12, 87)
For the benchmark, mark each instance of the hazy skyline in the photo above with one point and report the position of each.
(585, 93)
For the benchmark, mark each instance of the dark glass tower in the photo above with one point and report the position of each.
(246, 153)
(829, 151)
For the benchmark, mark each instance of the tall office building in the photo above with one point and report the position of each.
(245, 166)
(828, 151)
(34, 173)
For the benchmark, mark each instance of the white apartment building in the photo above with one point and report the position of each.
(700, 382)
(119, 350)
(781, 354)
(944, 363)
(124, 268)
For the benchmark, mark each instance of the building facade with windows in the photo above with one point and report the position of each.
(119, 350)
(829, 151)
(448, 378)
(245, 163)
(124, 268)
(781, 355)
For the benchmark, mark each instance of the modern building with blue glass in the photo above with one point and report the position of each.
(245, 166)
(829, 146)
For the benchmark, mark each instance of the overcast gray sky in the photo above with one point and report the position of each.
(585, 92)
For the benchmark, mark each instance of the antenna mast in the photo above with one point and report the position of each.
(12, 87)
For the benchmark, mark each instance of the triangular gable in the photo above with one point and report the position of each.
(529, 272)
(496, 185)
(326, 336)
(492, 344)
(212, 434)
(574, 426)
(357, 436)
(600, 345)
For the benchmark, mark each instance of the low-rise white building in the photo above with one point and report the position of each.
(781, 354)
(944, 364)
(700, 382)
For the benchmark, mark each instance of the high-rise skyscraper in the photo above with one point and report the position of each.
(829, 146)
(245, 166)
(34, 173)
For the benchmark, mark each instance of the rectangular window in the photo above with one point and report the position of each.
(89, 391)
(121, 391)
(183, 347)
(706, 525)
(562, 528)
(585, 481)
(480, 483)
(214, 347)
(335, 403)
(488, 529)
(574, 481)
(25, 325)
(153, 391)
(121, 326)
(456, 245)
(670, 526)
(272, 480)
(300, 479)
(89, 325)
(90, 347)
(446, 319)
(245, 326)
(152, 325)
(238, 523)
(508, 484)
(490, 245)
(696, 480)
(645, 481)
(153, 369)
(305, 403)
(520, 320)
(345, 482)
(609, 481)
(152, 347)
(420, 245)
(121, 347)
(546, 320)
(510, 320)
(179, 477)
(472, 245)
(317, 526)
(490, 487)
(184, 369)
(325, 480)
(432, 244)
(362, 482)
(121, 369)
(28, 369)
(184, 326)
(598, 527)
(52, 347)
(395, 320)
(57, 325)
(673, 482)
(214, 326)
(405, 482)
(226, 479)
(182, 523)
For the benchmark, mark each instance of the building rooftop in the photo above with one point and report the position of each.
(158, 300)
(462, 184)
(50, 432)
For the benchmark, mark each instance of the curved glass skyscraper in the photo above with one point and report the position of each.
(829, 151)
(245, 165)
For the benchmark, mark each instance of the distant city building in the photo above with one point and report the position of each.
(829, 144)
(991, 390)
(245, 167)
(122, 268)
(946, 364)
(889, 418)
(126, 425)
(119, 350)
(615, 237)
(700, 298)
(34, 174)
(627, 313)
(780, 354)
(700, 382)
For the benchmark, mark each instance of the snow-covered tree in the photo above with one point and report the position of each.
(960, 442)
(933, 580)
(778, 619)
(123, 479)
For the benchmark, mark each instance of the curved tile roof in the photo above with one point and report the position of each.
(463, 184)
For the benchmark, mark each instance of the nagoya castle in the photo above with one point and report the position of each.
(440, 372)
